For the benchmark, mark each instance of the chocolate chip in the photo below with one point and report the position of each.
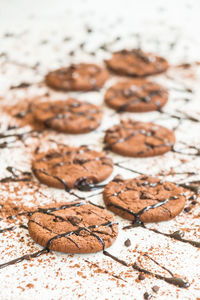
(141, 276)
(118, 178)
(57, 219)
(103, 47)
(189, 90)
(145, 195)
(10, 127)
(144, 183)
(127, 243)
(194, 202)
(82, 45)
(74, 220)
(8, 34)
(147, 296)
(36, 65)
(187, 209)
(174, 197)
(20, 86)
(89, 30)
(3, 54)
(193, 197)
(155, 288)
(167, 188)
(66, 39)
(20, 115)
(44, 42)
(71, 53)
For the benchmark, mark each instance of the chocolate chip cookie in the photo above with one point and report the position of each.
(136, 63)
(70, 116)
(139, 139)
(77, 77)
(136, 95)
(145, 199)
(74, 228)
(68, 167)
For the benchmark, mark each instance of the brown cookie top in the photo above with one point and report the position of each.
(136, 95)
(68, 167)
(77, 77)
(144, 199)
(70, 116)
(139, 139)
(77, 227)
(136, 63)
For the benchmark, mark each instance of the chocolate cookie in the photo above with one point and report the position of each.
(144, 199)
(70, 116)
(69, 167)
(74, 228)
(136, 95)
(136, 63)
(77, 77)
(139, 139)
